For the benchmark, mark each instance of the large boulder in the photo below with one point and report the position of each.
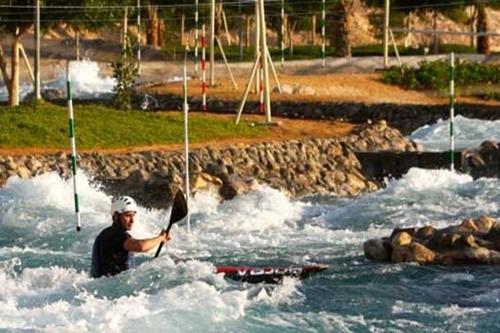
(473, 241)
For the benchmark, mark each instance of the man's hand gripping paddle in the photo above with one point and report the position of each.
(179, 211)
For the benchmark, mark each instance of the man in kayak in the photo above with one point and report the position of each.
(111, 253)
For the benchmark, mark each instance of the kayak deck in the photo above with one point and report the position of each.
(253, 274)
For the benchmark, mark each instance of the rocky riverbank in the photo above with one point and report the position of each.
(483, 161)
(473, 241)
(299, 167)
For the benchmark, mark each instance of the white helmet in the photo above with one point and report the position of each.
(123, 204)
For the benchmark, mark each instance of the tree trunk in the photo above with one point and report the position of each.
(285, 37)
(218, 19)
(291, 30)
(183, 27)
(313, 31)
(152, 26)
(162, 29)
(14, 82)
(435, 38)
(3, 68)
(483, 42)
(240, 36)
(77, 42)
(248, 31)
(341, 28)
(472, 20)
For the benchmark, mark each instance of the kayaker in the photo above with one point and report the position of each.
(113, 247)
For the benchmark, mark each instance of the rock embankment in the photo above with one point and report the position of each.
(298, 167)
(473, 241)
(483, 161)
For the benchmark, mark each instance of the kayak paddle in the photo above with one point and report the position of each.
(179, 211)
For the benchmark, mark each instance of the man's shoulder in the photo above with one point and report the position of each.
(113, 231)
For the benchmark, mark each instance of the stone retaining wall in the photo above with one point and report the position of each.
(298, 167)
(481, 162)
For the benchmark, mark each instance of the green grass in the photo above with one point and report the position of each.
(304, 52)
(102, 127)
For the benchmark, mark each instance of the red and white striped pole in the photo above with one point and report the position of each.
(203, 69)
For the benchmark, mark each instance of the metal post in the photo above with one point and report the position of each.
(38, 94)
(196, 28)
(386, 33)
(282, 33)
(139, 37)
(452, 111)
(186, 136)
(240, 31)
(263, 50)
(73, 147)
(257, 44)
(203, 68)
(212, 44)
(323, 30)
(125, 29)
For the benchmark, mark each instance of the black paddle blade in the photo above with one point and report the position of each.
(179, 211)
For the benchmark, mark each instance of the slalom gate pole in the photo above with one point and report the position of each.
(139, 37)
(323, 35)
(203, 69)
(452, 111)
(196, 29)
(73, 147)
(261, 86)
(186, 135)
(282, 33)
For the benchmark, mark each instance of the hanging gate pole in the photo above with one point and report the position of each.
(186, 135)
(452, 111)
(73, 147)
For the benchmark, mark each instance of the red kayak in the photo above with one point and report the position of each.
(268, 274)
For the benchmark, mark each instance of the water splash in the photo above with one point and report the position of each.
(469, 133)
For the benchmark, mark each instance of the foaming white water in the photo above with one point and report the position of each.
(434, 197)
(44, 262)
(86, 80)
(469, 133)
(24, 90)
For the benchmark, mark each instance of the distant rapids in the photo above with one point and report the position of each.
(469, 133)
(44, 262)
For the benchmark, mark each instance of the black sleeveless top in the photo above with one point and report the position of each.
(109, 257)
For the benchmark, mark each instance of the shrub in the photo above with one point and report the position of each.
(125, 72)
(435, 75)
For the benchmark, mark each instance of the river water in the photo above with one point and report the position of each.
(469, 133)
(44, 262)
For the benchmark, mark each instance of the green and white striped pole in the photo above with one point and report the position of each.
(186, 135)
(452, 111)
(323, 35)
(73, 147)
(196, 30)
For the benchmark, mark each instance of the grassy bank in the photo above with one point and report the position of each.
(46, 126)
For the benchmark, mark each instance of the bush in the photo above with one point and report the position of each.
(125, 72)
(435, 75)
